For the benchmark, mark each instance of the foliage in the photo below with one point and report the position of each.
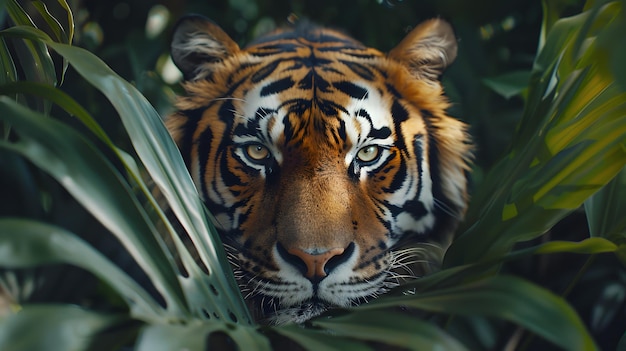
(75, 193)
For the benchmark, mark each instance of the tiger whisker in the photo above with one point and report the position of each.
(447, 209)
(226, 99)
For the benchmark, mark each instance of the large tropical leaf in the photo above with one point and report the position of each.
(390, 328)
(27, 243)
(199, 335)
(63, 327)
(93, 181)
(164, 163)
(452, 276)
(570, 143)
(507, 298)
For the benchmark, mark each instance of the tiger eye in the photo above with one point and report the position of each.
(368, 153)
(257, 152)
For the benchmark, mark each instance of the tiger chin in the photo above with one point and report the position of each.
(331, 168)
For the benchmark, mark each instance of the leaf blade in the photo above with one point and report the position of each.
(86, 175)
(163, 161)
(61, 327)
(26, 243)
(390, 328)
(509, 298)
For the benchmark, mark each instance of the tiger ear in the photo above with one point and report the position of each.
(197, 44)
(428, 49)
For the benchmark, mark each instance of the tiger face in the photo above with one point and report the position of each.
(324, 162)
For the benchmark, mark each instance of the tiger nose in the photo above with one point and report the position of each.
(316, 266)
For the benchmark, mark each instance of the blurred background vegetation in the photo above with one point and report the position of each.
(498, 41)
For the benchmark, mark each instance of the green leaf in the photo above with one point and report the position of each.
(9, 73)
(390, 328)
(200, 336)
(3, 8)
(27, 243)
(33, 56)
(588, 247)
(60, 327)
(73, 108)
(621, 346)
(70, 20)
(163, 161)
(315, 340)
(91, 179)
(451, 276)
(605, 209)
(571, 142)
(509, 84)
(508, 298)
(56, 27)
(60, 98)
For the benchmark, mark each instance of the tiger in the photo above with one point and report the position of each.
(331, 169)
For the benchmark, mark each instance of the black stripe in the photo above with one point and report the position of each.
(188, 129)
(391, 89)
(229, 178)
(351, 90)
(360, 55)
(297, 106)
(346, 45)
(265, 71)
(277, 86)
(381, 133)
(433, 159)
(360, 70)
(246, 130)
(342, 131)
(418, 148)
(330, 108)
(398, 178)
(204, 152)
(399, 115)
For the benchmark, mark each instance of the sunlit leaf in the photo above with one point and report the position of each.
(571, 142)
